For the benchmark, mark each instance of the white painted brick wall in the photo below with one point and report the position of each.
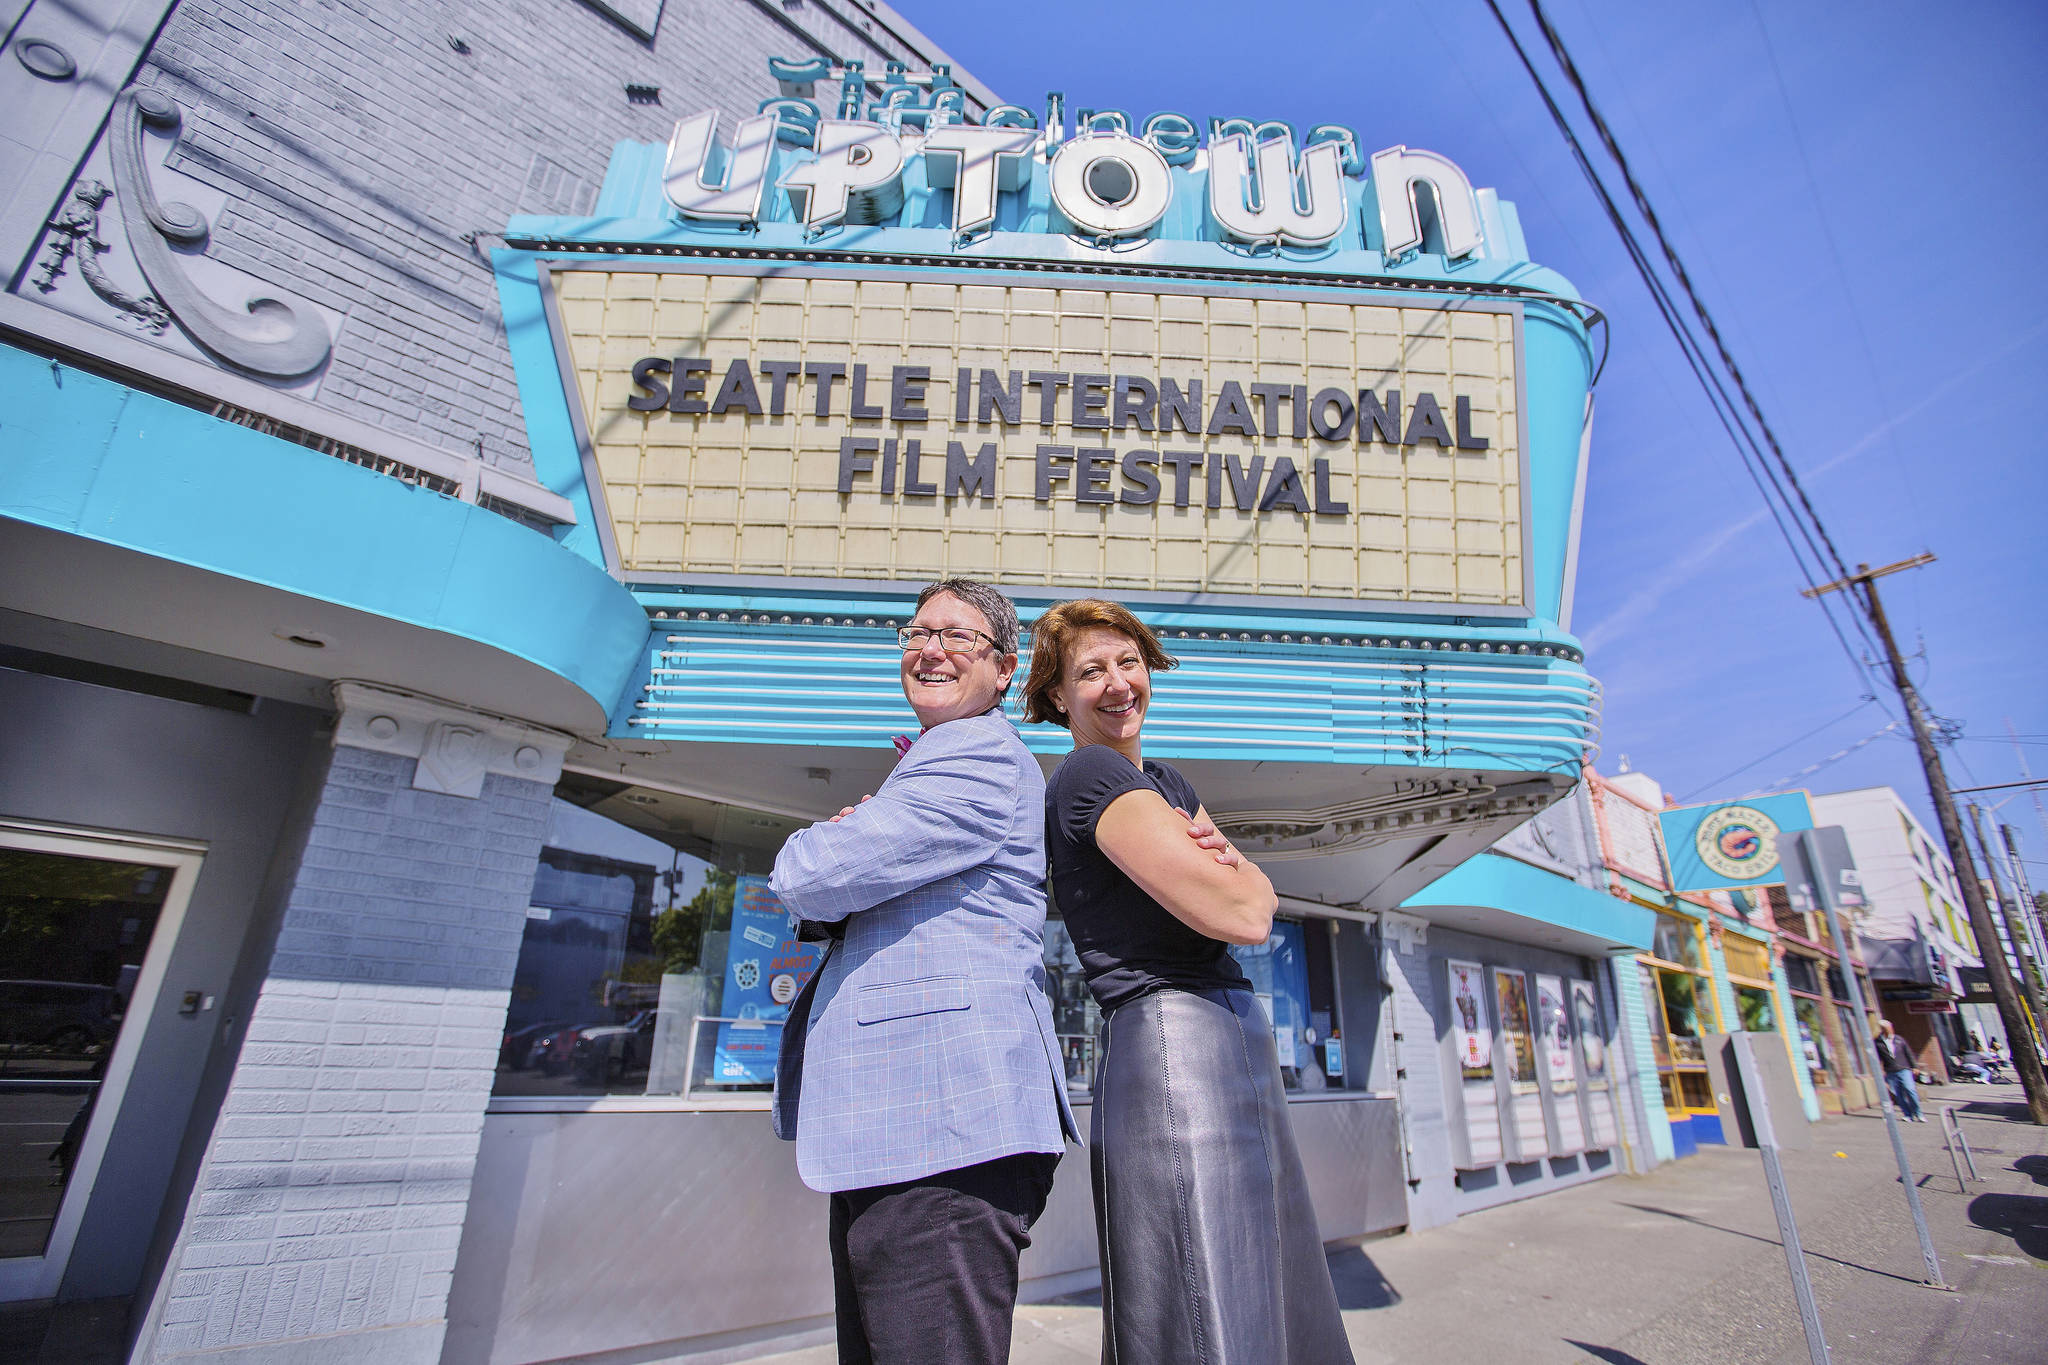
(333, 1190)
(357, 148)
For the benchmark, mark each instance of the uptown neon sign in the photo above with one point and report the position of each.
(1112, 180)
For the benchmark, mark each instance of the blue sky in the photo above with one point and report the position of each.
(1853, 190)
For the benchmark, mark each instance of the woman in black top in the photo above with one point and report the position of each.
(1209, 1245)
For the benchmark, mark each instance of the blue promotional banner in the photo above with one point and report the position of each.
(765, 967)
(1731, 844)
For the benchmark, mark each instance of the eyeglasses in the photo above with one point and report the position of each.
(952, 639)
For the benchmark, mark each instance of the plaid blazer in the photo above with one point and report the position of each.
(925, 1041)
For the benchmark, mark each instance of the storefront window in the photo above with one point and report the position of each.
(655, 960)
(1755, 1009)
(1074, 1013)
(1673, 1007)
(1678, 941)
(1813, 1041)
(1681, 993)
(1293, 975)
(1858, 1065)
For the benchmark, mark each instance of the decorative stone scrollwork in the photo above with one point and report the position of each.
(268, 335)
(75, 235)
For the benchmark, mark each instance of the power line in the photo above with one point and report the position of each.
(1678, 270)
(1763, 758)
(1836, 757)
(1746, 446)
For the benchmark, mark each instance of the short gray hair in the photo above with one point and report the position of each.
(997, 609)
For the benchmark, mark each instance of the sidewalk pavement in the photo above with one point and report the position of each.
(1683, 1266)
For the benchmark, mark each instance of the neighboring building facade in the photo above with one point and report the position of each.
(1517, 1075)
(1916, 927)
(1718, 962)
(414, 650)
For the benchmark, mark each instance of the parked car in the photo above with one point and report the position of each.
(516, 1051)
(555, 1052)
(603, 1055)
(64, 1016)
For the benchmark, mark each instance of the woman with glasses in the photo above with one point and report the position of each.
(919, 1075)
(1209, 1245)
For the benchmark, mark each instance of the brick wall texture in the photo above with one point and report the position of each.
(332, 1194)
(369, 164)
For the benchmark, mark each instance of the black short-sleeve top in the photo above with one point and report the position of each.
(1130, 945)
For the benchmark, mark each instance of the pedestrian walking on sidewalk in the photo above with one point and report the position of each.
(1897, 1060)
(1209, 1245)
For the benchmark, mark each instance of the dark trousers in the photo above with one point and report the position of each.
(926, 1271)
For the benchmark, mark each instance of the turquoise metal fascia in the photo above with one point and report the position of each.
(550, 434)
(1303, 618)
(1498, 882)
(761, 683)
(93, 458)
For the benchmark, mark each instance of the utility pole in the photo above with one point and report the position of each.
(2026, 1059)
(2015, 926)
(2030, 909)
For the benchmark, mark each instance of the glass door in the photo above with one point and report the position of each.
(80, 915)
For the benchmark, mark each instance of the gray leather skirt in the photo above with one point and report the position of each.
(1210, 1253)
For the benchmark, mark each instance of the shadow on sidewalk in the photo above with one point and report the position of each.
(1359, 1282)
(1772, 1241)
(1996, 1109)
(2035, 1168)
(2022, 1217)
(1606, 1353)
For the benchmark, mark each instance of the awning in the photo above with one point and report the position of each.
(1504, 897)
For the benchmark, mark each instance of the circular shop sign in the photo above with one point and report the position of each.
(1739, 842)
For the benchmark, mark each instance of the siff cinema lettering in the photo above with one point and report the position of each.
(1083, 402)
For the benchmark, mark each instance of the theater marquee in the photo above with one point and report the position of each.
(811, 423)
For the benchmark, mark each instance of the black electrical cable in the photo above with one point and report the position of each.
(1725, 412)
(1643, 206)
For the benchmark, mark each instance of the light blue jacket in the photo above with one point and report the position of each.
(925, 1041)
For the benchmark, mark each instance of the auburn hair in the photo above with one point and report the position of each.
(1053, 637)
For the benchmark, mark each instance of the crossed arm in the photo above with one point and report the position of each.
(940, 814)
(1185, 865)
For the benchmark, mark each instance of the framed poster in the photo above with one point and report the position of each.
(1518, 1065)
(1600, 1113)
(1474, 1102)
(1470, 1022)
(1560, 1064)
(765, 967)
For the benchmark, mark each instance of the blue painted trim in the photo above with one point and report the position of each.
(93, 458)
(550, 436)
(727, 682)
(1298, 617)
(1557, 361)
(1498, 882)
